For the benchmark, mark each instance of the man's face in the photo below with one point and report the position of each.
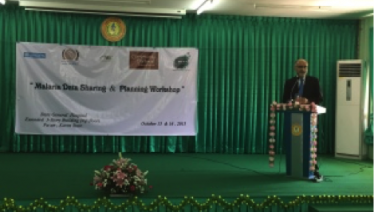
(301, 68)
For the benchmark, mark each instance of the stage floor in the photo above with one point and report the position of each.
(29, 176)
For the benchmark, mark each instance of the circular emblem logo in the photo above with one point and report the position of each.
(182, 61)
(296, 129)
(70, 54)
(113, 29)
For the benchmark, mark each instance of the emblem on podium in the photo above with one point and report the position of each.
(297, 129)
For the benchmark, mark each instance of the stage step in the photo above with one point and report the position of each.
(341, 208)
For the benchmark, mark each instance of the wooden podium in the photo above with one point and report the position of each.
(298, 131)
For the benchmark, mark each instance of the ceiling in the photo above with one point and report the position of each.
(326, 9)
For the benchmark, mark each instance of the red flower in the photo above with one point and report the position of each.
(132, 188)
(107, 168)
(99, 185)
(150, 187)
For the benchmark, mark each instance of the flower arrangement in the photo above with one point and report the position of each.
(295, 106)
(121, 177)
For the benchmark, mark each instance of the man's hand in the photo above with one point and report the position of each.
(302, 100)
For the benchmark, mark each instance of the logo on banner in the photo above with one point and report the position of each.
(106, 58)
(35, 55)
(297, 129)
(182, 62)
(113, 29)
(143, 60)
(70, 56)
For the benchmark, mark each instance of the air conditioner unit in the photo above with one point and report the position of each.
(349, 125)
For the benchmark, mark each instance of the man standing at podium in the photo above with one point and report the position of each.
(304, 89)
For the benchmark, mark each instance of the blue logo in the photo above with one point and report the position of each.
(35, 55)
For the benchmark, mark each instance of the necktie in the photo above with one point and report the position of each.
(301, 87)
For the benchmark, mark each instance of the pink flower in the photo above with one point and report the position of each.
(289, 104)
(272, 128)
(271, 165)
(271, 153)
(312, 168)
(271, 146)
(272, 109)
(114, 178)
(119, 183)
(315, 143)
(315, 149)
(271, 134)
(121, 175)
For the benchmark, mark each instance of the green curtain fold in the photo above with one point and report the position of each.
(369, 130)
(243, 63)
(371, 72)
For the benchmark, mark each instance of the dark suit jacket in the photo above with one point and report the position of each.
(312, 90)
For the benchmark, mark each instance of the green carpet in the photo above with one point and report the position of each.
(341, 208)
(27, 176)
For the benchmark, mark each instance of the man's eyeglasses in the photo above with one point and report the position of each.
(302, 66)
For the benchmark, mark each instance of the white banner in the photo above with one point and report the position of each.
(101, 90)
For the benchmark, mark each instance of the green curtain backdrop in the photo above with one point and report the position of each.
(243, 63)
(371, 71)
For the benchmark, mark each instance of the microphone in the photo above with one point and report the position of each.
(297, 80)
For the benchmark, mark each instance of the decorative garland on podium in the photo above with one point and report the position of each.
(293, 107)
